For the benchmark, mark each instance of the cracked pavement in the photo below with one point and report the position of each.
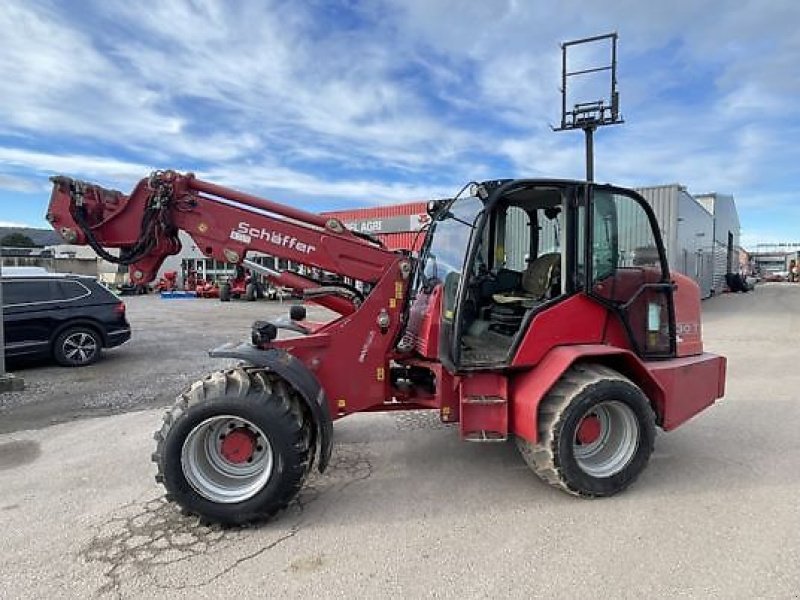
(407, 510)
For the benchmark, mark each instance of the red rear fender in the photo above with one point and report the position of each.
(530, 387)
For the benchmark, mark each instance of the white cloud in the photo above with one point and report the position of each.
(15, 224)
(14, 183)
(409, 100)
(262, 176)
(45, 163)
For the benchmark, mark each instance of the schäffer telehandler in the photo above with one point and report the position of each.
(542, 310)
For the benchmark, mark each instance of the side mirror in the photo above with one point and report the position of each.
(434, 206)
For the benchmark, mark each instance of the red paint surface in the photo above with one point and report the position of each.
(380, 212)
(687, 316)
(678, 388)
(406, 240)
(350, 355)
(589, 430)
(576, 320)
(238, 446)
(529, 387)
(115, 220)
(690, 384)
(424, 322)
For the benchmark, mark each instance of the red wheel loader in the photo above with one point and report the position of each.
(538, 310)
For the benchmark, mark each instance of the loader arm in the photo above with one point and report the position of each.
(225, 224)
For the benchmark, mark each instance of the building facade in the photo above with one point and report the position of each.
(687, 229)
(398, 226)
(726, 235)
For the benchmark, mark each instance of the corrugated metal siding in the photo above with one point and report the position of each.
(726, 221)
(409, 240)
(664, 201)
(518, 236)
(695, 241)
(687, 230)
(379, 212)
(633, 232)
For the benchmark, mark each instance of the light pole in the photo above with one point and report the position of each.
(596, 113)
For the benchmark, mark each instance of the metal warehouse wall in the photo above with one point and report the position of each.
(726, 235)
(518, 234)
(664, 201)
(687, 230)
(695, 243)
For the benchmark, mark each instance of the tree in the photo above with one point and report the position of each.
(17, 240)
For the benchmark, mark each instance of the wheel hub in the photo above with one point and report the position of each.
(238, 446)
(227, 459)
(606, 439)
(79, 347)
(589, 430)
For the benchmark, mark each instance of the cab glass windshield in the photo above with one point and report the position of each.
(451, 231)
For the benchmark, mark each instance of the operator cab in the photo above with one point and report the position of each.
(516, 268)
(511, 249)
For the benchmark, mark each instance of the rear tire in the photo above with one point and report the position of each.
(213, 482)
(596, 433)
(77, 347)
(225, 292)
(250, 292)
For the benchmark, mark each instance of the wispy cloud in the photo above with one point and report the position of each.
(17, 184)
(14, 224)
(47, 163)
(345, 103)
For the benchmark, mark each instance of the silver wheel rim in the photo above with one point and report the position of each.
(615, 445)
(214, 476)
(79, 347)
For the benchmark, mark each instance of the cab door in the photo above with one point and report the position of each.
(628, 269)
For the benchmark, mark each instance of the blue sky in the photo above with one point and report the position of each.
(338, 103)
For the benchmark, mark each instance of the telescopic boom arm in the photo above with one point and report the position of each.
(225, 224)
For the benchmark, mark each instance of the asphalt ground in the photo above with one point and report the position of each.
(406, 509)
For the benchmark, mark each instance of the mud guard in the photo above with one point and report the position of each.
(528, 388)
(301, 379)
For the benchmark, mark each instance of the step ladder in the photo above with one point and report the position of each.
(484, 407)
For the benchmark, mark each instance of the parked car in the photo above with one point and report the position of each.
(69, 318)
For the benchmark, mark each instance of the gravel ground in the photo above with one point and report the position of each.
(406, 509)
(168, 350)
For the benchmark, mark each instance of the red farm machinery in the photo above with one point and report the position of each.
(568, 334)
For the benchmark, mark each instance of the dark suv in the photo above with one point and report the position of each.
(67, 317)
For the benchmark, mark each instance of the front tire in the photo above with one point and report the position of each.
(235, 448)
(225, 292)
(596, 433)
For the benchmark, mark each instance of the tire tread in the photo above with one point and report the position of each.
(542, 457)
(245, 383)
